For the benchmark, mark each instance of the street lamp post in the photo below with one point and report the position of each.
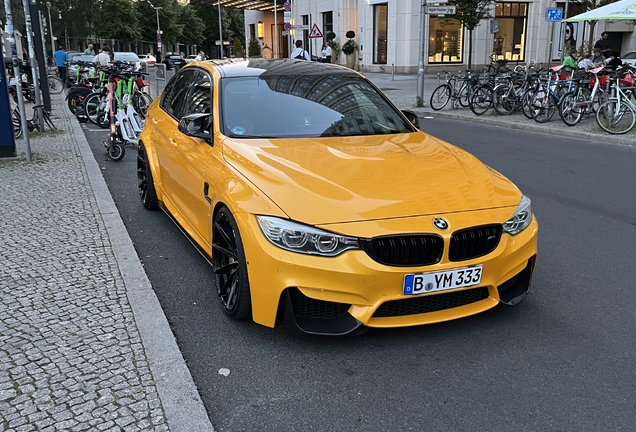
(48, 6)
(156, 8)
(220, 30)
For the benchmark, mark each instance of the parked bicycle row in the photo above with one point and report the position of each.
(540, 94)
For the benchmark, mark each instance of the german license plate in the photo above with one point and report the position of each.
(422, 283)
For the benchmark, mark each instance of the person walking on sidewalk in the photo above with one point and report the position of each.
(89, 50)
(103, 58)
(299, 52)
(60, 61)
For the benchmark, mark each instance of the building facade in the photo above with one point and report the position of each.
(388, 33)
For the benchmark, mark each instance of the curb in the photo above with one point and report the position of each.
(182, 404)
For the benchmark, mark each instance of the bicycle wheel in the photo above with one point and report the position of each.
(55, 84)
(526, 103)
(481, 101)
(17, 124)
(545, 107)
(503, 99)
(570, 109)
(615, 119)
(440, 97)
(464, 95)
(141, 102)
(91, 106)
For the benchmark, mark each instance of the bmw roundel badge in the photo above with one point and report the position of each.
(440, 223)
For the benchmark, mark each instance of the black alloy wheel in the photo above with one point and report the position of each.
(145, 182)
(230, 269)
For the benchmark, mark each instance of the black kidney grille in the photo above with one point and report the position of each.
(430, 303)
(474, 242)
(405, 250)
(311, 308)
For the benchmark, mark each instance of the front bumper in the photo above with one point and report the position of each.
(365, 292)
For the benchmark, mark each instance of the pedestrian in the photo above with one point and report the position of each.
(103, 58)
(587, 62)
(299, 52)
(60, 61)
(570, 63)
(158, 56)
(328, 54)
(89, 50)
(202, 55)
(323, 53)
(603, 44)
(598, 58)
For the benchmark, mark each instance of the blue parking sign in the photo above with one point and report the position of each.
(553, 14)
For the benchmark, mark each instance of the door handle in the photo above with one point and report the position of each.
(173, 142)
(154, 120)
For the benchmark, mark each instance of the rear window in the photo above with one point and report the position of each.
(174, 57)
(129, 57)
(631, 55)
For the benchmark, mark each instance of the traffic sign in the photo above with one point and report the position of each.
(315, 32)
(287, 6)
(286, 16)
(442, 10)
(300, 27)
(287, 26)
(554, 14)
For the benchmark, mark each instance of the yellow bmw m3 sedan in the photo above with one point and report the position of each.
(321, 205)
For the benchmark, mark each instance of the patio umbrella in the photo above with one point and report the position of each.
(621, 10)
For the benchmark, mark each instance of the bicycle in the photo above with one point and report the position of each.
(452, 89)
(33, 123)
(617, 115)
(581, 101)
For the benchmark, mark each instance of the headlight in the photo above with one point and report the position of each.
(520, 219)
(304, 239)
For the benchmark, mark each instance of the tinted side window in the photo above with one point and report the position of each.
(200, 99)
(176, 92)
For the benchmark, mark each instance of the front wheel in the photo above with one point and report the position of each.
(145, 182)
(615, 118)
(17, 124)
(230, 268)
(440, 97)
(116, 151)
(74, 102)
(481, 101)
(141, 102)
(572, 106)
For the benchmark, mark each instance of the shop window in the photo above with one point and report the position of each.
(509, 42)
(380, 33)
(445, 40)
(327, 23)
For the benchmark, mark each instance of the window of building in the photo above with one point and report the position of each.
(305, 35)
(509, 43)
(380, 33)
(445, 40)
(327, 23)
(252, 31)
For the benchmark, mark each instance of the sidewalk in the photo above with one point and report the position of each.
(84, 343)
(402, 90)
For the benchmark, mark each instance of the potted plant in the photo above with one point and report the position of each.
(349, 48)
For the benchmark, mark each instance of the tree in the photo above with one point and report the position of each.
(117, 19)
(588, 5)
(471, 13)
(193, 26)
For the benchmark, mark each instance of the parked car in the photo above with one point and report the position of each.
(192, 58)
(174, 60)
(333, 211)
(148, 59)
(629, 58)
(128, 57)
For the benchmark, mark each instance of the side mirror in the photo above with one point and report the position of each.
(197, 125)
(412, 118)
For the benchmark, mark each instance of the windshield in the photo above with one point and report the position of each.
(289, 106)
(129, 57)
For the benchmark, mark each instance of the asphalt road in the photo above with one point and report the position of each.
(563, 360)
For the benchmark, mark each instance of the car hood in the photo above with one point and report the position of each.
(346, 179)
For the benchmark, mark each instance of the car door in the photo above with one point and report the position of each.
(191, 155)
(164, 124)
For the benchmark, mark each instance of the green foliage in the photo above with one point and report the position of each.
(350, 34)
(193, 26)
(118, 19)
(471, 12)
(254, 48)
(330, 36)
(237, 47)
(350, 46)
(335, 46)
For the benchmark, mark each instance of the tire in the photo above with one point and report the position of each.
(440, 97)
(546, 109)
(55, 84)
(230, 268)
(91, 106)
(613, 120)
(570, 109)
(464, 95)
(141, 102)
(17, 124)
(145, 182)
(74, 102)
(103, 119)
(481, 101)
(502, 100)
(116, 152)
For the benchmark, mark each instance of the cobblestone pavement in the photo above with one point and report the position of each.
(84, 344)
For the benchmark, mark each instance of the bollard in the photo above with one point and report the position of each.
(437, 79)
(392, 71)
